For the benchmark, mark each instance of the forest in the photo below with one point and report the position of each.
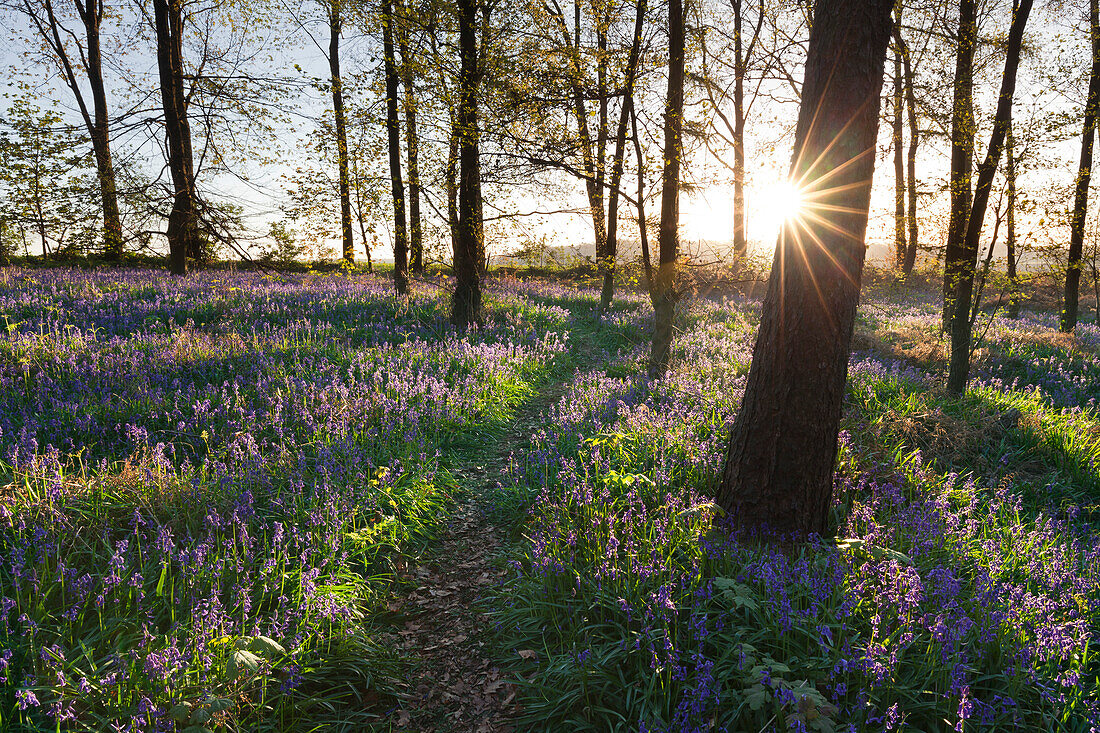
(418, 365)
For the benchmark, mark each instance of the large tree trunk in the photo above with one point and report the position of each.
(783, 443)
(393, 134)
(962, 158)
(899, 157)
(914, 140)
(412, 144)
(1084, 175)
(961, 326)
(183, 232)
(335, 27)
(608, 291)
(665, 293)
(1013, 310)
(466, 305)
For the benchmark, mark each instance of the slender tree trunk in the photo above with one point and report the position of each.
(783, 443)
(608, 291)
(97, 120)
(92, 15)
(393, 134)
(412, 144)
(643, 230)
(1013, 310)
(665, 293)
(1084, 176)
(335, 26)
(740, 70)
(357, 180)
(914, 139)
(451, 183)
(183, 232)
(962, 158)
(466, 306)
(961, 328)
(900, 247)
(592, 174)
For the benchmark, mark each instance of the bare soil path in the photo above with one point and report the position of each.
(454, 685)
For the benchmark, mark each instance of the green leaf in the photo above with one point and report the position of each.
(181, 713)
(266, 647)
(756, 696)
(200, 716)
(240, 661)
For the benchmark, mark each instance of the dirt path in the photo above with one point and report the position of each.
(454, 685)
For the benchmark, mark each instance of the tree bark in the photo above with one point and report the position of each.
(335, 26)
(962, 158)
(466, 305)
(782, 448)
(184, 242)
(608, 291)
(665, 294)
(1084, 175)
(393, 134)
(961, 325)
(897, 140)
(412, 143)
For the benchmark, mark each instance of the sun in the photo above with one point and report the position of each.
(778, 203)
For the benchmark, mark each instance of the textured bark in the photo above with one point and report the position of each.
(783, 443)
(96, 120)
(962, 158)
(412, 147)
(1013, 310)
(961, 325)
(393, 135)
(466, 305)
(335, 26)
(184, 242)
(1084, 176)
(665, 294)
(897, 140)
(608, 265)
(914, 140)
